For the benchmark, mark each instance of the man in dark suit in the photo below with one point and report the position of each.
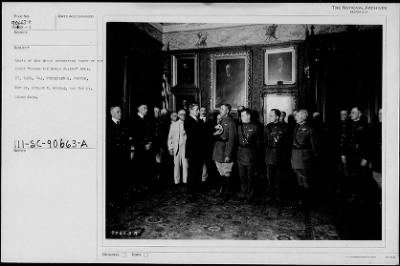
(118, 150)
(143, 138)
(194, 128)
(208, 146)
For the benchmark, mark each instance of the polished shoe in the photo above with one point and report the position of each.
(241, 196)
(225, 196)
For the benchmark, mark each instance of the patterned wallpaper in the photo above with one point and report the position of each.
(254, 39)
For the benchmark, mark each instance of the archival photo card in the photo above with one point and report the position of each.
(200, 133)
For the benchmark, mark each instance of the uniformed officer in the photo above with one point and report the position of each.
(341, 136)
(275, 138)
(224, 148)
(248, 149)
(304, 153)
(359, 154)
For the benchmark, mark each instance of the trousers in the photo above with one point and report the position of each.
(246, 175)
(180, 162)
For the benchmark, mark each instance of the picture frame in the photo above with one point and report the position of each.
(280, 66)
(185, 70)
(230, 78)
(189, 96)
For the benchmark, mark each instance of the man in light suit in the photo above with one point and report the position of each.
(177, 148)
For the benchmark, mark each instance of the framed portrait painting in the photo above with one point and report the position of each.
(185, 70)
(280, 66)
(230, 79)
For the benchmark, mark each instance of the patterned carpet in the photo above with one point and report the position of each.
(170, 215)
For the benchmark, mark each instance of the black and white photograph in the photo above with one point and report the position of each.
(302, 162)
(209, 133)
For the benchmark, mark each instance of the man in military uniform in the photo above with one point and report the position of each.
(341, 136)
(359, 155)
(224, 148)
(304, 153)
(247, 154)
(118, 154)
(275, 138)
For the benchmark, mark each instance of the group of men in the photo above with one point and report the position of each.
(196, 144)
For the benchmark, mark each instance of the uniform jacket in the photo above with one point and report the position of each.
(225, 143)
(275, 139)
(360, 141)
(304, 148)
(249, 143)
(194, 138)
(177, 137)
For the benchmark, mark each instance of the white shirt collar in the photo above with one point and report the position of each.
(116, 121)
(141, 116)
(194, 117)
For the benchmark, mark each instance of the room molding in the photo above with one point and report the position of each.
(199, 26)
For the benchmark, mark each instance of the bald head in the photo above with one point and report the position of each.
(116, 112)
(301, 116)
(182, 114)
(355, 114)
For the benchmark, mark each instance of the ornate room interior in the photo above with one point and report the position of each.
(330, 61)
(331, 68)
